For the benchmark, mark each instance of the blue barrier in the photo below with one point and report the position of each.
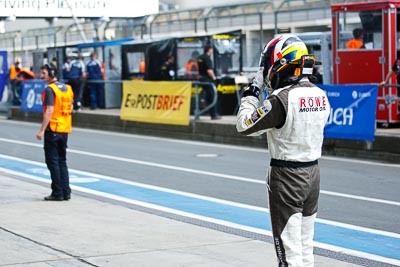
(353, 111)
(3, 72)
(32, 95)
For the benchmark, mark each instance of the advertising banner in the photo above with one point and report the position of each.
(32, 95)
(156, 102)
(3, 72)
(353, 111)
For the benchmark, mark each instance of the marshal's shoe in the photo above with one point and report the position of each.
(53, 198)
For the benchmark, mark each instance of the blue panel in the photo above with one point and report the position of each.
(353, 111)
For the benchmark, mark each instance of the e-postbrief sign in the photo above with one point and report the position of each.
(353, 111)
(32, 95)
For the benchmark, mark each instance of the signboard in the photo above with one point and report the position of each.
(78, 8)
(156, 102)
(353, 111)
(3, 72)
(32, 95)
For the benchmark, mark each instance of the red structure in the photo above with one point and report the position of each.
(379, 22)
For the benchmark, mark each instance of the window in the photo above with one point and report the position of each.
(135, 60)
(366, 26)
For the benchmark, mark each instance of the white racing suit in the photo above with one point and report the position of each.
(294, 118)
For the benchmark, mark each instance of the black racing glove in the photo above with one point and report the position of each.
(252, 90)
(255, 85)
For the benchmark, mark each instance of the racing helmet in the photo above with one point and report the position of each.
(282, 59)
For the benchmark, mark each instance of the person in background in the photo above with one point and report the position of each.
(142, 67)
(206, 73)
(17, 76)
(168, 69)
(15, 82)
(103, 71)
(192, 68)
(54, 62)
(76, 77)
(357, 41)
(95, 84)
(295, 132)
(56, 125)
(66, 68)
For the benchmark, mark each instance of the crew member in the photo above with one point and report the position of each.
(15, 83)
(207, 75)
(95, 83)
(66, 68)
(142, 67)
(168, 69)
(357, 42)
(76, 78)
(192, 68)
(56, 125)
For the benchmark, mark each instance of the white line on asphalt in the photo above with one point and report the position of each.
(376, 200)
(155, 138)
(214, 174)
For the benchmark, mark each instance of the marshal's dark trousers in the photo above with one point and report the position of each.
(55, 151)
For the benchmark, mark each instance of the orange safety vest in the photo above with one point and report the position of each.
(142, 67)
(192, 69)
(13, 72)
(103, 71)
(354, 44)
(61, 119)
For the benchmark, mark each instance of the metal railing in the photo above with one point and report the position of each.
(197, 110)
